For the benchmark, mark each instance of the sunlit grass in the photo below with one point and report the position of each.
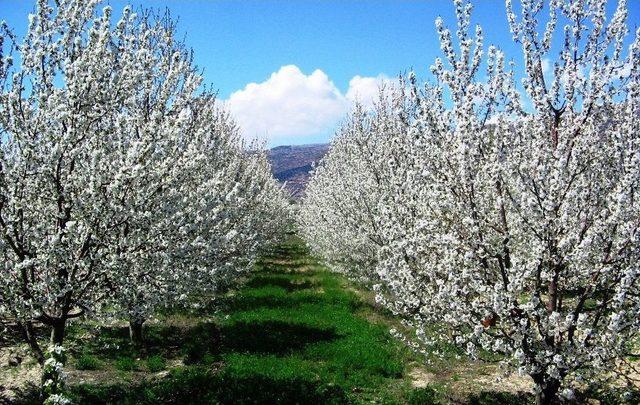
(293, 333)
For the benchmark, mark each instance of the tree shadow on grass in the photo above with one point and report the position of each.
(108, 342)
(195, 342)
(272, 337)
(199, 385)
(192, 341)
(287, 251)
(287, 284)
(250, 303)
(202, 341)
(263, 390)
(280, 269)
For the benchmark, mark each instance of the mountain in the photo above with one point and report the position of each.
(291, 164)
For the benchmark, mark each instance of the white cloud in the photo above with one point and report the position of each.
(366, 89)
(292, 104)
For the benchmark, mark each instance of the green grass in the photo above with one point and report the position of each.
(295, 326)
(293, 334)
(126, 364)
(87, 361)
(156, 363)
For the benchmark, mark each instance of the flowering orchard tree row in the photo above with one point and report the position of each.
(506, 211)
(123, 184)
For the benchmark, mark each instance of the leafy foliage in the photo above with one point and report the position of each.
(156, 363)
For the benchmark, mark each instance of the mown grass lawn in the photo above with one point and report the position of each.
(294, 333)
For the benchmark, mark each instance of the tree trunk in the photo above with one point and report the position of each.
(552, 291)
(57, 331)
(135, 332)
(30, 337)
(547, 392)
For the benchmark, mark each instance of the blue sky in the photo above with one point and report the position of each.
(309, 59)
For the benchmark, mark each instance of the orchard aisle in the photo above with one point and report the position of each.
(294, 333)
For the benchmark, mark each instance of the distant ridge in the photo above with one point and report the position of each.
(291, 164)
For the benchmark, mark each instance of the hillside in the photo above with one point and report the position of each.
(291, 164)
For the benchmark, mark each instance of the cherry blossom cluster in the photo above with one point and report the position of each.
(54, 377)
(500, 206)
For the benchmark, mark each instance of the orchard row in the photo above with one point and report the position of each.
(501, 201)
(124, 186)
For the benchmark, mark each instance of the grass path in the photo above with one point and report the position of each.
(294, 333)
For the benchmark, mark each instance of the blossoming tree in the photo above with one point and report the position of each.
(516, 223)
(120, 178)
(57, 110)
(193, 204)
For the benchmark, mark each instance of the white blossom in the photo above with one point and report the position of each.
(120, 175)
(467, 209)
